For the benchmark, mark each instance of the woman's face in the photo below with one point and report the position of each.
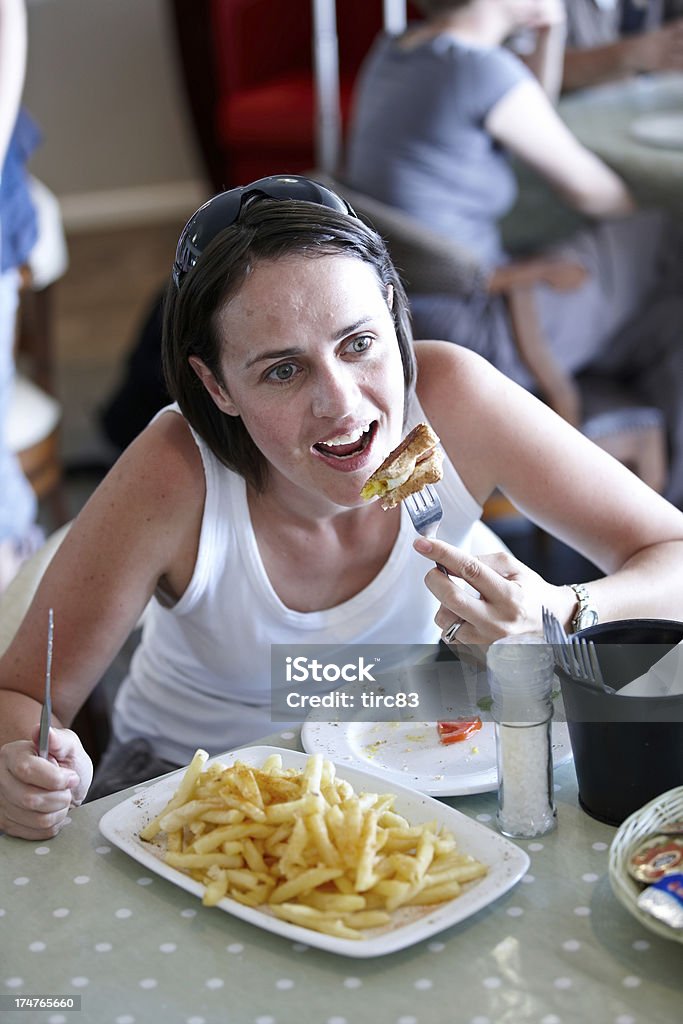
(311, 363)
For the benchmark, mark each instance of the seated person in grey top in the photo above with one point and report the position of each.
(438, 112)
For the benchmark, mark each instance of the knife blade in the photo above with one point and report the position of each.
(46, 713)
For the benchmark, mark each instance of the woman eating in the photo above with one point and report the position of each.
(235, 519)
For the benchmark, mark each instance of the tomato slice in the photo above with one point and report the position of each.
(457, 730)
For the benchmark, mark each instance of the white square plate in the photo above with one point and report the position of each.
(506, 862)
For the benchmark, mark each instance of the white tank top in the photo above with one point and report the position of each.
(201, 676)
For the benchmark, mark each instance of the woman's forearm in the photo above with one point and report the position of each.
(547, 60)
(620, 59)
(648, 585)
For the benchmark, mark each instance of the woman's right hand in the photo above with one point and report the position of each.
(36, 793)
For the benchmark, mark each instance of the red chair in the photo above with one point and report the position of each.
(248, 70)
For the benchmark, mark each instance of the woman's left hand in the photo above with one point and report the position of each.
(510, 600)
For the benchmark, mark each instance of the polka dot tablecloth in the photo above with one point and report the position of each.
(80, 918)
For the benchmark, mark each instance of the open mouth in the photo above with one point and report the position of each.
(347, 445)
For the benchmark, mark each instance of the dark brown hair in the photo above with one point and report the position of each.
(267, 230)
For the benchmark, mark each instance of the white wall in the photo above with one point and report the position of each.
(103, 83)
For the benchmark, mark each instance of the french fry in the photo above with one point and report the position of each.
(305, 847)
(367, 851)
(181, 794)
(312, 774)
(367, 919)
(304, 805)
(216, 888)
(272, 764)
(297, 914)
(244, 879)
(340, 903)
(174, 841)
(435, 894)
(212, 840)
(253, 856)
(295, 847)
(203, 860)
(468, 872)
(317, 830)
(254, 898)
(248, 787)
(184, 814)
(393, 891)
(304, 882)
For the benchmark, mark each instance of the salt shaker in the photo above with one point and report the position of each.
(520, 671)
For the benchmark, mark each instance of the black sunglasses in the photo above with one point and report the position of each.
(224, 209)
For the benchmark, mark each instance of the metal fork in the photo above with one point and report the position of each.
(574, 654)
(426, 511)
(554, 634)
(587, 657)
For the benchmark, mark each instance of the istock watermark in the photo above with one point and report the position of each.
(303, 670)
(427, 683)
(378, 682)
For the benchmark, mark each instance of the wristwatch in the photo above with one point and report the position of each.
(586, 613)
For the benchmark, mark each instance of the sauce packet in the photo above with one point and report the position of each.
(657, 856)
(664, 900)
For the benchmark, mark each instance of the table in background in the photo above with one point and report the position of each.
(601, 119)
(80, 917)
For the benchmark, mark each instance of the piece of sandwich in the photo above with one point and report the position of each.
(415, 463)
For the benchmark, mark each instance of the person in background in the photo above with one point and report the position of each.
(18, 232)
(235, 518)
(438, 113)
(612, 39)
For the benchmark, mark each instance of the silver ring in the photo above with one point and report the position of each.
(449, 635)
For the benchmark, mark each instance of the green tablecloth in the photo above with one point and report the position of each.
(601, 118)
(80, 917)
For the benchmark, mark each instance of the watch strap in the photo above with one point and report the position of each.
(584, 602)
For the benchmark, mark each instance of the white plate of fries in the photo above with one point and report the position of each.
(411, 754)
(279, 839)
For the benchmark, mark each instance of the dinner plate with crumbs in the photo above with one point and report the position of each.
(505, 863)
(664, 131)
(411, 754)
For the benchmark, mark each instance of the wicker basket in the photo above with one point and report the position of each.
(648, 819)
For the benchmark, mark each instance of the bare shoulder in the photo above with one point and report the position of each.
(150, 504)
(139, 530)
(464, 398)
(454, 383)
(434, 358)
(161, 464)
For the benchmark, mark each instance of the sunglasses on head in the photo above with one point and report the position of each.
(224, 209)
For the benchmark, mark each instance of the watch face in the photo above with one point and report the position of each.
(588, 617)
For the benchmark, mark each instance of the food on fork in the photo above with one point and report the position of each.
(457, 730)
(415, 463)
